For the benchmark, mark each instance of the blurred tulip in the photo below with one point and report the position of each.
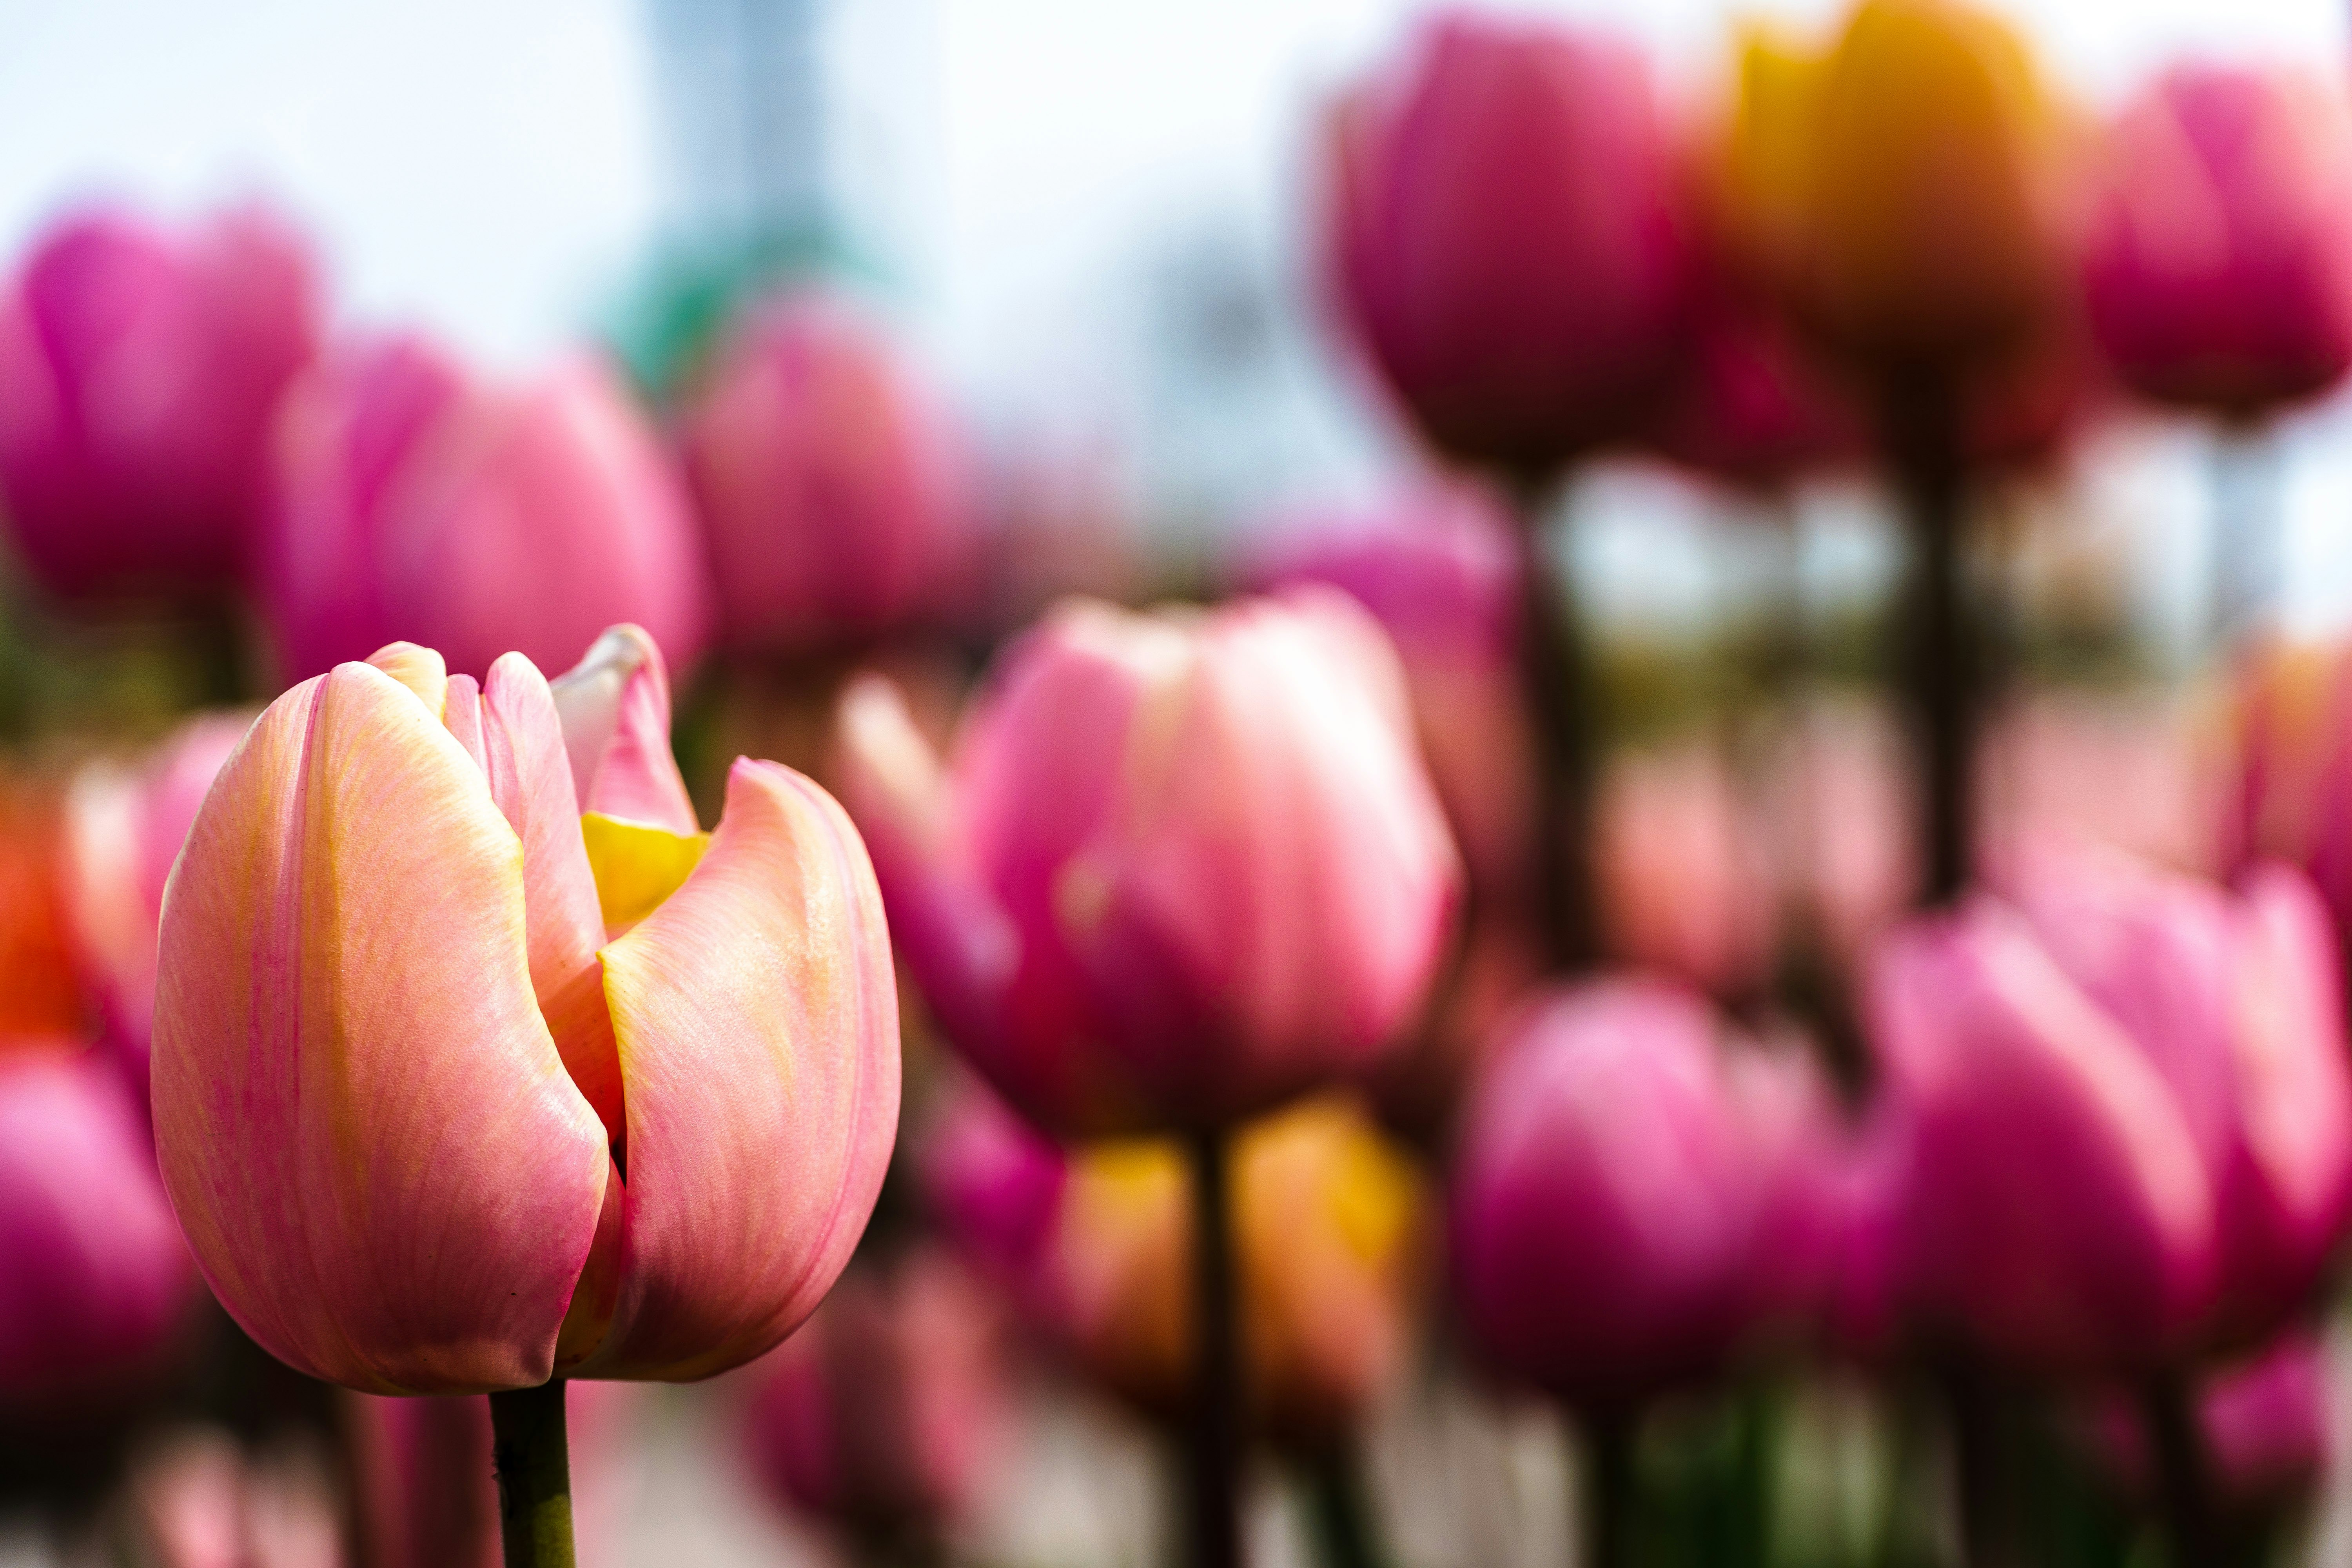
(456, 1086)
(41, 985)
(138, 371)
(1913, 189)
(1505, 237)
(2219, 270)
(124, 827)
(2265, 1420)
(200, 1502)
(2125, 1107)
(1631, 1200)
(1687, 885)
(882, 1413)
(1185, 865)
(413, 498)
(1752, 410)
(994, 1183)
(1439, 572)
(96, 1288)
(833, 489)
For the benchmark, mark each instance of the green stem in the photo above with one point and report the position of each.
(2184, 1488)
(534, 1470)
(1556, 687)
(1214, 1439)
(1344, 1527)
(1608, 1500)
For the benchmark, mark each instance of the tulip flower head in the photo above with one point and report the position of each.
(1185, 864)
(2219, 270)
(413, 498)
(1506, 238)
(476, 1061)
(138, 371)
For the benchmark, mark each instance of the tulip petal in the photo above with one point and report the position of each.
(757, 1028)
(420, 669)
(637, 866)
(371, 1142)
(615, 704)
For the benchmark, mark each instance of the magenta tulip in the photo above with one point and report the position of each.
(831, 485)
(96, 1288)
(138, 371)
(1630, 1195)
(2220, 267)
(1507, 238)
(2125, 1108)
(1186, 864)
(1754, 407)
(414, 499)
(458, 1085)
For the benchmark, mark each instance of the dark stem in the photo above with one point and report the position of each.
(534, 1470)
(1556, 682)
(1940, 659)
(1608, 1500)
(1978, 1456)
(1213, 1437)
(2244, 537)
(1345, 1531)
(2184, 1494)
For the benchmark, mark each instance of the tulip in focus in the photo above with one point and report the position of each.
(415, 499)
(2126, 1111)
(476, 1062)
(882, 1413)
(1505, 237)
(1183, 866)
(138, 371)
(2219, 270)
(832, 488)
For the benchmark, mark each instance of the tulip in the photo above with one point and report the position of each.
(97, 1288)
(833, 490)
(2263, 1423)
(1439, 572)
(413, 499)
(1685, 886)
(1185, 865)
(138, 371)
(993, 1184)
(2126, 1114)
(2219, 267)
(882, 1413)
(199, 1501)
(44, 995)
(2290, 769)
(124, 827)
(1506, 238)
(458, 1087)
(1752, 410)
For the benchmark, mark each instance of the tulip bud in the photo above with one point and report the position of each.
(2219, 268)
(1623, 1193)
(832, 489)
(1186, 866)
(138, 371)
(97, 1288)
(1506, 238)
(882, 1413)
(458, 1085)
(413, 499)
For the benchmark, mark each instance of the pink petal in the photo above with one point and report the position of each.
(615, 705)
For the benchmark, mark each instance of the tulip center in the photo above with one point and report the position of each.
(637, 866)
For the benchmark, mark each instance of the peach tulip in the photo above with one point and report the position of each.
(458, 1085)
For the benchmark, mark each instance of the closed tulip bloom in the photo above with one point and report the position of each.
(2219, 268)
(1506, 237)
(414, 499)
(882, 1413)
(832, 486)
(138, 371)
(2127, 1111)
(97, 1287)
(1185, 865)
(476, 1061)
(1619, 1187)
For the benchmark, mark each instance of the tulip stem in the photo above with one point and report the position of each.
(1344, 1527)
(1556, 684)
(534, 1470)
(1608, 1498)
(1213, 1443)
(1939, 658)
(2184, 1493)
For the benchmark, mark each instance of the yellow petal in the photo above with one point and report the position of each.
(637, 866)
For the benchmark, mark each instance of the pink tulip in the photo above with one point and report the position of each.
(138, 371)
(1686, 883)
(2126, 1113)
(1439, 572)
(1753, 407)
(124, 827)
(2220, 267)
(413, 498)
(456, 1086)
(1632, 1198)
(993, 1184)
(832, 487)
(883, 1414)
(96, 1289)
(197, 1500)
(1505, 237)
(1185, 866)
